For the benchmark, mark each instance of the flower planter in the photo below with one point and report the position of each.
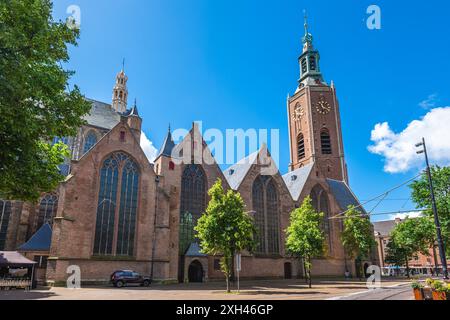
(418, 294)
(439, 295)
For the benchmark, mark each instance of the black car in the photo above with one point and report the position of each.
(121, 278)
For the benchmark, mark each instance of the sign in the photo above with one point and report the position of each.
(238, 262)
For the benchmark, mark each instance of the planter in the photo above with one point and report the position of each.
(439, 295)
(418, 294)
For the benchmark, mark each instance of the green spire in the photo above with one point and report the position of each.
(307, 38)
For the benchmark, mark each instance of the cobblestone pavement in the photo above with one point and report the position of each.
(397, 292)
(250, 290)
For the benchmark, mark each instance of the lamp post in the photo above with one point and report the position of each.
(435, 212)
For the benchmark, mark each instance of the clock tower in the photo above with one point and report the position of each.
(314, 120)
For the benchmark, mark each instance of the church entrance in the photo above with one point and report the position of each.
(195, 272)
(288, 270)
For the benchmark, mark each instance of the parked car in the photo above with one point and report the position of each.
(121, 278)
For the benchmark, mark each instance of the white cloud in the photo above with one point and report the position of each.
(403, 216)
(429, 102)
(398, 149)
(149, 150)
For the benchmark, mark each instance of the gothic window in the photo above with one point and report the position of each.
(319, 199)
(301, 147)
(128, 208)
(5, 214)
(304, 66)
(265, 205)
(89, 141)
(312, 63)
(111, 204)
(193, 202)
(325, 142)
(47, 210)
(258, 208)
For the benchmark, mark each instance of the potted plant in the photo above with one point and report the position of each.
(427, 291)
(418, 290)
(439, 290)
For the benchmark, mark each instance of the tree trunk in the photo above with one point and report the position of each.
(309, 273)
(305, 270)
(407, 267)
(227, 277)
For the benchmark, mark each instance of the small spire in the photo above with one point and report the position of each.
(306, 21)
(169, 129)
(123, 65)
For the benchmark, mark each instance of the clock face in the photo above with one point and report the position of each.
(323, 106)
(299, 112)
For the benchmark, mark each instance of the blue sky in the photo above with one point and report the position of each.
(231, 64)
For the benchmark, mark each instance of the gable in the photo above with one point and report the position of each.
(295, 180)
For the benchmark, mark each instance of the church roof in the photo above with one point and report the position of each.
(295, 180)
(40, 241)
(194, 251)
(344, 195)
(167, 147)
(102, 115)
(237, 172)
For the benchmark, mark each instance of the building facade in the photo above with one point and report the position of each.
(117, 210)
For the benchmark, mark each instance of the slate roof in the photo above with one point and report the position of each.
(194, 251)
(384, 228)
(167, 147)
(237, 172)
(295, 180)
(40, 241)
(102, 115)
(343, 195)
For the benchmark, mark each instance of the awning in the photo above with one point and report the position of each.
(14, 259)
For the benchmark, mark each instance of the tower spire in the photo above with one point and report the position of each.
(120, 91)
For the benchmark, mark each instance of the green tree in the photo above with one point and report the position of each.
(225, 228)
(304, 236)
(357, 236)
(420, 193)
(35, 106)
(407, 239)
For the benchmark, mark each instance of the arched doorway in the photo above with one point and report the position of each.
(288, 270)
(195, 272)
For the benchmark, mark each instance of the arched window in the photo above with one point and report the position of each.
(128, 208)
(301, 147)
(304, 66)
(89, 141)
(272, 218)
(193, 202)
(325, 142)
(265, 205)
(258, 208)
(5, 214)
(47, 210)
(319, 198)
(112, 203)
(312, 63)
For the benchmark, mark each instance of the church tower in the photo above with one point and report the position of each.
(120, 92)
(314, 119)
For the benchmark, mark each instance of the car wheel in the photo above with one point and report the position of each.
(120, 284)
(146, 283)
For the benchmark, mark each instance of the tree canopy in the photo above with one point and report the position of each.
(35, 105)
(304, 236)
(225, 228)
(420, 193)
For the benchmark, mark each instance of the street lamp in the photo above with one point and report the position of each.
(435, 212)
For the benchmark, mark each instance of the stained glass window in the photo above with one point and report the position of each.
(128, 208)
(5, 214)
(319, 199)
(193, 202)
(47, 210)
(265, 205)
(89, 141)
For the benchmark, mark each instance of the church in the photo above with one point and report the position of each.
(117, 210)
